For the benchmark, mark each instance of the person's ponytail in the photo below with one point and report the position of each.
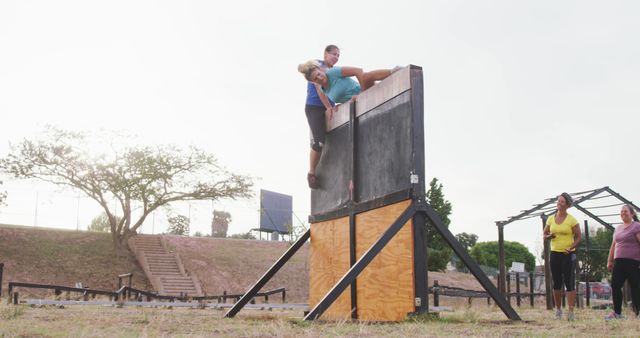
(307, 68)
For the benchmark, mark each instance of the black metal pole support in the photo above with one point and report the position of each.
(547, 268)
(587, 258)
(501, 261)
(531, 287)
(268, 275)
(1, 269)
(470, 263)
(361, 264)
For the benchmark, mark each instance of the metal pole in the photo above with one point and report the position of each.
(547, 268)
(518, 289)
(587, 258)
(35, 215)
(78, 215)
(436, 293)
(501, 263)
(509, 288)
(531, 288)
(1, 269)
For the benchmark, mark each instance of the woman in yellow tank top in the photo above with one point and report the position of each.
(564, 232)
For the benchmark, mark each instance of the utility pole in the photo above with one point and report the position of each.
(35, 216)
(78, 215)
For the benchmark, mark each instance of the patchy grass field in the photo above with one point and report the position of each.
(109, 321)
(64, 257)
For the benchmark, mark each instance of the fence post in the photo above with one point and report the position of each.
(284, 296)
(518, 288)
(15, 298)
(578, 303)
(531, 288)
(1, 268)
(9, 293)
(547, 268)
(587, 259)
(509, 287)
(436, 293)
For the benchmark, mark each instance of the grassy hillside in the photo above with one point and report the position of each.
(63, 257)
(234, 265)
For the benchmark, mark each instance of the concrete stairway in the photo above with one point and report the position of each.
(163, 268)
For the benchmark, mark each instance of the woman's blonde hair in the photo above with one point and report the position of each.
(308, 67)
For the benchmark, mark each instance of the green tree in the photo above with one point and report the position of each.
(486, 253)
(220, 223)
(101, 223)
(144, 177)
(467, 241)
(179, 225)
(246, 235)
(599, 244)
(439, 252)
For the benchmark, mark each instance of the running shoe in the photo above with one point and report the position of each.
(613, 316)
(558, 314)
(571, 316)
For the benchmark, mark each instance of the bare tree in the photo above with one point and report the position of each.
(150, 176)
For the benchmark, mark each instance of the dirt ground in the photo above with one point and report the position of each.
(129, 321)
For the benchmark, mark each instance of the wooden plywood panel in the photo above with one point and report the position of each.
(385, 289)
(329, 261)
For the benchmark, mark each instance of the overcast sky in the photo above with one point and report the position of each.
(523, 99)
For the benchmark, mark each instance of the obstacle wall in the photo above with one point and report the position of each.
(371, 170)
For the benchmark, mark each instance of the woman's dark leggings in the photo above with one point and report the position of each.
(563, 270)
(623, 269)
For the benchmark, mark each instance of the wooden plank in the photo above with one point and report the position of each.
(385, 289)
(394, 85)
(329, 261)
(340, 117)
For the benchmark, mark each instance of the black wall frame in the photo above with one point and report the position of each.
(350, 194)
